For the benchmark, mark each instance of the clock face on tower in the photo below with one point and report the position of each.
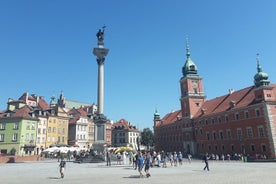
(195, 84)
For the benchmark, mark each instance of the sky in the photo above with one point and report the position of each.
(46, 48)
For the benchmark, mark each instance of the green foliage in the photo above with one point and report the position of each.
(147, 137)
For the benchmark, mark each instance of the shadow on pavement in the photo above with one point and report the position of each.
(54, 178)
(132, 176)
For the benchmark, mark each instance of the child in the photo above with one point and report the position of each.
(62, 167)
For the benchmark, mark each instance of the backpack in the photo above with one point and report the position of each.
(62, 163)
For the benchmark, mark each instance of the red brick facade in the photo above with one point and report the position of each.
(243, 121)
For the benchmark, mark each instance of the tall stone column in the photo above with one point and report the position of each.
(100, 120)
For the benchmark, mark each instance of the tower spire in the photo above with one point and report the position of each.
(261, 78)
(259, 68)
(189, 67)
(187, 47)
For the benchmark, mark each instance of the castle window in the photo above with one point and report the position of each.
(214, 135)
(246, 114)
(249, 132)
(237, 116)
(252, 147)
(257, 112)
(229, 135)
(263, 148)
(232, 147)
(226, 118)
(207, 136)
(221, 134)
(261, 131)
(239, 133)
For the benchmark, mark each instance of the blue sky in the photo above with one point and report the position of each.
(46, 47)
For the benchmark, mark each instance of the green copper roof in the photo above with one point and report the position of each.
(189, 67)
(261, 78)
(156, 115)
(53, 100)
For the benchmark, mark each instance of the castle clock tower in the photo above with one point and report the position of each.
(192, 93)
(263, 91)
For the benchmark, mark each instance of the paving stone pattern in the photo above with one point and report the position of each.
(47, 172)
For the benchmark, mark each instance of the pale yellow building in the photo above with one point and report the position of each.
(57, 130)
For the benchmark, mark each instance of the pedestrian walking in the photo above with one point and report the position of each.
(136, 160)
(130, 157)
(108, 158)
(147, 164)
(62, 165)
(189, 158)
(205, 159)
(175, 158)
(68, 155)
(58, 155)
(140, 164)
(180, 158)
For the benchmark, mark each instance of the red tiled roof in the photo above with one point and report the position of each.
(125, 124)
(43, 104)
(23, 97)
(23, 112)
(241, 98)
(17, 101)
(171, 117)
(74, 119)
(82, 112)
(76, 113)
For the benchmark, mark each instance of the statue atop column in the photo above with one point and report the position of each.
(100, 35)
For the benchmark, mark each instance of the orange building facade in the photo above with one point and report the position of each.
(241, 122)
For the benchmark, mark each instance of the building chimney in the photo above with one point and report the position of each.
(231, 91)
(232, 103)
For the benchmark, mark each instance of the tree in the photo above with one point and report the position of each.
(147, 137)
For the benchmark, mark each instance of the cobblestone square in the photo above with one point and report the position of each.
(47, 172)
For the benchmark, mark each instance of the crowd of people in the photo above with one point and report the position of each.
(144, 160)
